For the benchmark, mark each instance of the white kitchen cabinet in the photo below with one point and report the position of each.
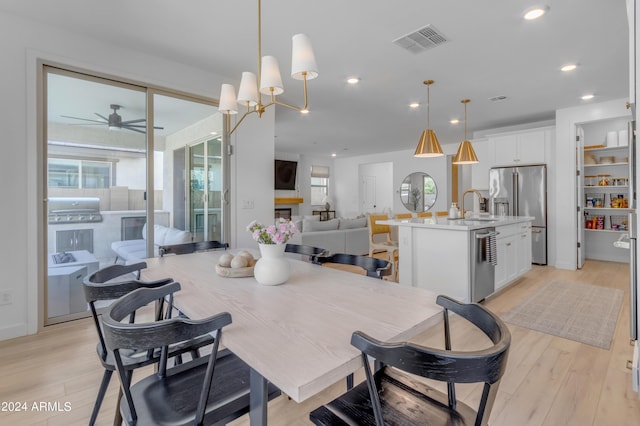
(480, 171)
(523, 248)
(513, 249)
(520, 148)
(506, 270)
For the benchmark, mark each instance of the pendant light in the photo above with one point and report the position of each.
(428, 145)
(465, 154)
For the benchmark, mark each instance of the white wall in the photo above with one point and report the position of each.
(404, 163)
(22, 44)
(564, 179)
(252, 176)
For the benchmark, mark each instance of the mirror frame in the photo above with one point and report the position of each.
(407, 192)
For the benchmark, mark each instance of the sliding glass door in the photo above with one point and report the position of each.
(107, 178)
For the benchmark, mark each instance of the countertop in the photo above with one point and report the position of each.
(467, 224)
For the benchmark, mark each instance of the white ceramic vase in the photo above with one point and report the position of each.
(272, 268)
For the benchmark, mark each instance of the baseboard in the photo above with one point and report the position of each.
(13, 331)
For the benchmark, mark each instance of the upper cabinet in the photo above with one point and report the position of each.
(480, 171)
(519, 148)
(532, 146)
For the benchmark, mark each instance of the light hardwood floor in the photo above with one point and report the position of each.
(549, 380)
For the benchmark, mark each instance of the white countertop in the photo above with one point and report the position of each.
(467, 224)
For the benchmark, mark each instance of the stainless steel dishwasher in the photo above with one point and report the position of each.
(482, 263)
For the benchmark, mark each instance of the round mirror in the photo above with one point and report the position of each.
(418, 192)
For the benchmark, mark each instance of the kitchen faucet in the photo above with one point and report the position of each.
(478, 193)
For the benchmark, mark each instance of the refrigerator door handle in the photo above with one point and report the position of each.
(516, 190)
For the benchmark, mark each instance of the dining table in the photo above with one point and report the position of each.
(296, 335)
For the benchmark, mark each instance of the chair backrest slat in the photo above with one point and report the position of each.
(374, 267)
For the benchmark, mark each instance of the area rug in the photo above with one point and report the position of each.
(572, 310)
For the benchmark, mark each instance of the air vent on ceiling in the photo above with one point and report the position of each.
(420, 40)
(498, 98)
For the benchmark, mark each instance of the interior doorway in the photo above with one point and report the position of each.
(376, 187)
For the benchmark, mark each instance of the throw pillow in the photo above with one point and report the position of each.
(352, 223)
(327, 225)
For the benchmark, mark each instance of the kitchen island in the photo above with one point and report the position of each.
(455, 257)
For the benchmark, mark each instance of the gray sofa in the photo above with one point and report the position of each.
(337, 235)
(130, 250)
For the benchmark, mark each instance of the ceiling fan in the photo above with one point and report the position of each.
(115, 121)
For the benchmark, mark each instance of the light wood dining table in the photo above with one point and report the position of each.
(296, 335)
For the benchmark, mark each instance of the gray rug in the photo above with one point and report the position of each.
(581, 312)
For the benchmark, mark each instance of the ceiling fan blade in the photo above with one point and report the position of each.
(102, 116)
(85, 119)
(133, 129)
(142, 126)
(139, 120)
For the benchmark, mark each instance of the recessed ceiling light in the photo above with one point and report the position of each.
(535, 13)
(304, 111)
(414, 105)
(454, 121)
(333, 154)
(568, 67)
(214, 133)
(353, 80)
(587, 97)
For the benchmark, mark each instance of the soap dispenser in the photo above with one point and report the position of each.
(454, 213)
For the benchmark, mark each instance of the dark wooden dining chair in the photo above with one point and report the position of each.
(110, 283)
(390, 396)
(309, 251)
(207, 390)
(370, 266)
(187, 248)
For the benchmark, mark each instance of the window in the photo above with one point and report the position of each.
(319, 184)
(69, 173)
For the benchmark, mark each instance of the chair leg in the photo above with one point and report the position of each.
(117, 418)
(350, 381)
(106, 377)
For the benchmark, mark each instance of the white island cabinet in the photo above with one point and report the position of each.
(444, 256)
(513, 243)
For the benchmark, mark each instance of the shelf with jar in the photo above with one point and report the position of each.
(606, 201)
(608, 223)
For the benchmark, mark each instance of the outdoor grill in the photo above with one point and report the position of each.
(74, 210)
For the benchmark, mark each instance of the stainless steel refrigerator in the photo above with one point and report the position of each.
(522, 191)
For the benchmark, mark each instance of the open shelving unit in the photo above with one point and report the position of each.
(603, 191)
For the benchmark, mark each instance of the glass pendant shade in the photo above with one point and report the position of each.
(270, 80)
(228, 103)
(302, 58)
(428, 145)
(248, 91)
(465, 154)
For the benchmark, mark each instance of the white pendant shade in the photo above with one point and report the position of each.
(302, 58)
(248, 91)
(228, 103)
(270, 78)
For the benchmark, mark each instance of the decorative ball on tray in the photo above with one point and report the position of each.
(234, 266)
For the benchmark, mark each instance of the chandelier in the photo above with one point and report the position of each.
(465, 154)
(303, 67)
(428, 145)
